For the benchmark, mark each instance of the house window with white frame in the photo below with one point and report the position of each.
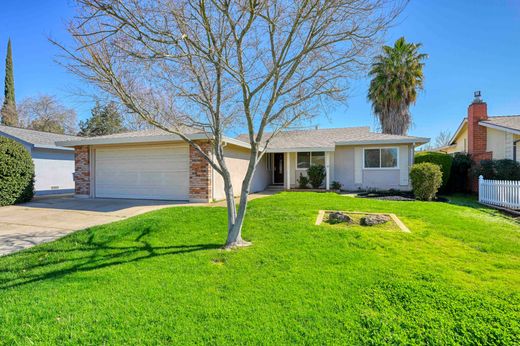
(307, 159)
(381, 158)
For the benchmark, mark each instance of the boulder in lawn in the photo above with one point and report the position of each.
(372, 220)
(338, 217)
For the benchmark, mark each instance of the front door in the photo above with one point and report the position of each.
(278, 168)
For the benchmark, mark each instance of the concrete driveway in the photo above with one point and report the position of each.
(46, 219)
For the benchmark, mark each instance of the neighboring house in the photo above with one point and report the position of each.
(154, 164)
(53, 165)
(486, 137)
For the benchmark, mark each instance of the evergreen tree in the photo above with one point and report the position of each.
(105, 120)
(9, 114)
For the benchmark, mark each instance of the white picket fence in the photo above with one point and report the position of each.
(502, 193)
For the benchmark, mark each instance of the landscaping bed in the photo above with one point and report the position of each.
(378, 221)
(394, 195)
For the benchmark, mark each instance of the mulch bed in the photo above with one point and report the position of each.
(395, 196)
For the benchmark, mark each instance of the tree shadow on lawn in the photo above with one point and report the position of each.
(97, 255)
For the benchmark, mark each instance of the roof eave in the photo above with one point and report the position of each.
(298, 149)
(459, 129)
(53, 147)
(499, 127)
(418, 140)
(144, 139)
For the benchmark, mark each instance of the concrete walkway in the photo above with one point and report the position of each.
(48, 218)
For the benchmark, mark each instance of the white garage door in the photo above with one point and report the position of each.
(147, 172)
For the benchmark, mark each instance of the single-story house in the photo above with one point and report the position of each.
(153, 164)
(53, 165)
(486, 137)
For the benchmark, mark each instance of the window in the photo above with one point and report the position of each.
(306, 159)
(381, 158)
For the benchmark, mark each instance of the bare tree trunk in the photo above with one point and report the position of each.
(235, 231)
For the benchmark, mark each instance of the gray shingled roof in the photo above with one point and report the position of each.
(36, 138)
(328, 138)
(142, 133)
(509, 121)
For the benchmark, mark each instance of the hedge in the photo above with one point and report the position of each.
(460, 170)
(16, 173)
(504, 169)
(444, 161)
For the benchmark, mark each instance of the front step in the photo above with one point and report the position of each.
(276, 188)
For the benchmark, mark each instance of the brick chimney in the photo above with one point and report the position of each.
(477, 134)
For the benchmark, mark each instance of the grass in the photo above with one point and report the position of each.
(161, 278)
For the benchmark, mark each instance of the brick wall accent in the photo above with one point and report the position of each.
(477, 137)
(200, 174)
(82, 170)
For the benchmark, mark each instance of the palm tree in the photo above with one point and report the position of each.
(396, 74)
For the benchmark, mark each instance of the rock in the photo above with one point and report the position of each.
(371, 220)
(338, 217)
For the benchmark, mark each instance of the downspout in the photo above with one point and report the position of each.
(514, 149)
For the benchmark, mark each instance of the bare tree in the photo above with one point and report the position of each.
(217, 65)
(46, 113)
(443, 139)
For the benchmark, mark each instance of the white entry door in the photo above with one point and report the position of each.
(142, 172)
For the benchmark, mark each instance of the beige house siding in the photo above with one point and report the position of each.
(237, 160)
(461, 142)
(496, 143)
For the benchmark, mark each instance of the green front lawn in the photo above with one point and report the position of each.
(160, 278)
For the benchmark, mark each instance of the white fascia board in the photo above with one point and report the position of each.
(299, 149)
(418, 140)
(498, 127)
(236, 142)
(456, 134)
(52, 147)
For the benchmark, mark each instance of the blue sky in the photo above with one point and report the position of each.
(473, 45)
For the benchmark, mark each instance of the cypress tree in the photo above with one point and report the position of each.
(9, 114)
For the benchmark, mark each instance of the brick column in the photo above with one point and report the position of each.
(200, 174)
(82, 171)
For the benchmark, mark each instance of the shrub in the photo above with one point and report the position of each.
(336, 185)
(444, 161)
(426, 179)
(459, 177)
(499, 169)
(16, 173)
(303, 181)
(316, 175)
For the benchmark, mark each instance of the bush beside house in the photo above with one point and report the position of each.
(499, 169)
(16, 173)
(444, 161)
(316, 175)
(426, 180)
(460, 171)
(303, 181)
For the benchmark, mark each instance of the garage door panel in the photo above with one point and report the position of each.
(147, 172)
